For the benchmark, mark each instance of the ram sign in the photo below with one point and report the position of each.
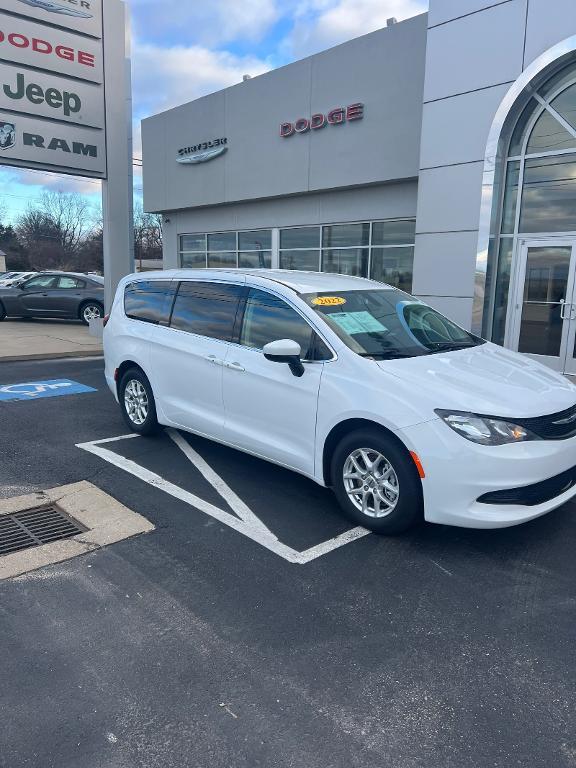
(52, 110)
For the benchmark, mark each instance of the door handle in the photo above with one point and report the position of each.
(567, 310)
(214, 359)
(235, 367)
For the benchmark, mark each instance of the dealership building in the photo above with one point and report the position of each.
(437, 154)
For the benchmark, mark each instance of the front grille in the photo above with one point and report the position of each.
(546, 428)
(532, 495)
(34, 527)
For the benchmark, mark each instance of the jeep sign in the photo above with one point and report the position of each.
(36, 93)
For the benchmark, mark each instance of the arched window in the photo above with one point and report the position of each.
(538, 196)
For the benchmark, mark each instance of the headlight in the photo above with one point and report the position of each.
(485, 430)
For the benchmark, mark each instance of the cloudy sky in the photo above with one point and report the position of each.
(183, 50)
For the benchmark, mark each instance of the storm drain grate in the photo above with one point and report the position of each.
(34, 527)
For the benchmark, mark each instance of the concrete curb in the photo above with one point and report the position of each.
(52, 356)
(106, 520)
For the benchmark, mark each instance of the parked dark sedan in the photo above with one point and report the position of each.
(55, 294)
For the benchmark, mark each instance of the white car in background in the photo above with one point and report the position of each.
(353, 383)
(15, 278)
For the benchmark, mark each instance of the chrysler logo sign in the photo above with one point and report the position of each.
(63, 7)
(318, 120)
(201, 153)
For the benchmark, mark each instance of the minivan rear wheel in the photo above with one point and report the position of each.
(137, 402)
(376, 482)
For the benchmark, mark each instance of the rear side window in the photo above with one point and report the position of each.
(149, 300)
(269, 318)
(70, 282)
(207, 309)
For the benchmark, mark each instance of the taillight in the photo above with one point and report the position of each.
(106, 318)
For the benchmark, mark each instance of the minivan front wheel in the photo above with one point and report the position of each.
(137, 402)
(376, 482)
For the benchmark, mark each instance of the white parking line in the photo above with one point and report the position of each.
(234, 502)
(249, 524)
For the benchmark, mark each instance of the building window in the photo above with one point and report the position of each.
(538, 188)
(227, 249)
(255, 249)
(300, 248)
(382, 250)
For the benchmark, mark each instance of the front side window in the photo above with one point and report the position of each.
(207, 309)
(148, 300)
(268, 318)
(388, 323)
(45, 281)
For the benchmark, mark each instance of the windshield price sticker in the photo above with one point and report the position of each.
(357, 322)
(328, 301)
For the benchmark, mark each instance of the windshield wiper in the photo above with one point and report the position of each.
(450, 346)
(388, 354)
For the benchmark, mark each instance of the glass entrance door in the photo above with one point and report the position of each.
(544, 310)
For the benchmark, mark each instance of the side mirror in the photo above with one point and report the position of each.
(285, 351)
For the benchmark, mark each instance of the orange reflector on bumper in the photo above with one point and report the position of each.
(419, 467)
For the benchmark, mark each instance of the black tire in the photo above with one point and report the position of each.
(95, 306)
(406, 507)
(138, 379)
(2, 312)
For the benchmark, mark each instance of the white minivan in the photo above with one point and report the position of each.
(353, 383)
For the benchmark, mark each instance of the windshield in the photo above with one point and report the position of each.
(386, 323)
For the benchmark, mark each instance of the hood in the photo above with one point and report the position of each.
(486, 379)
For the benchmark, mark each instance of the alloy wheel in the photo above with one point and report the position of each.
(371, 482)
(91, 312)
(136, 402)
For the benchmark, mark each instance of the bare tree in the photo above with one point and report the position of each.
(70, 214)
(147, 235)
(55, 230)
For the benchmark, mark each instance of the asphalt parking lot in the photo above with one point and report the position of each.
(255, 627)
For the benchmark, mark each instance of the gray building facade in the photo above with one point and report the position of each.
(437, 154)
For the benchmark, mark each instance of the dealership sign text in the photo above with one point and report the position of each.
(336, 116)
(201, 153)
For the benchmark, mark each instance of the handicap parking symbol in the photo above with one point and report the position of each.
(34, 390)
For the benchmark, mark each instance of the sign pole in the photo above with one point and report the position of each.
(117, 190)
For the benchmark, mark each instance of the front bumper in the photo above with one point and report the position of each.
(459, 472)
